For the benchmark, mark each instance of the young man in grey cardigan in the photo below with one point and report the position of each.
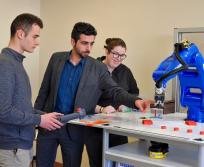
(17, 116)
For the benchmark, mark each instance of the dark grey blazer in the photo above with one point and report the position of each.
(94, 81)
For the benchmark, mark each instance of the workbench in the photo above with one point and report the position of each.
(186, 140)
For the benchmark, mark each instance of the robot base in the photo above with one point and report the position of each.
(195, 114)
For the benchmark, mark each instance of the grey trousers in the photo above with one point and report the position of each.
(15, 158)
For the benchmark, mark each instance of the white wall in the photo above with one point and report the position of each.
(9, 9)
(146, 26)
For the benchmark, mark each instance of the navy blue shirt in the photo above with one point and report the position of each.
(68, 85)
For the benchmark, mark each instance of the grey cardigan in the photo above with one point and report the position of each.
(17, 118)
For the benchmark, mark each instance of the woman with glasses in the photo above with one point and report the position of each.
(115, 50)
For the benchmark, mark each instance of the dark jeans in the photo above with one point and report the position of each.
(72, 138)
(94, 145)
(48, 142)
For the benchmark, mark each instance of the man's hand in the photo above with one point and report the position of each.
(143, 104)
(49, 121)
(108, 109)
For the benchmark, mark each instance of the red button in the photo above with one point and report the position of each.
(78, 109)
(163, 127)
(201, 132)
(176, 129)
(147, 122)
(190, 123)
(189, 131)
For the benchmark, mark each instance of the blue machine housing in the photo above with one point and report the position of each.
(191, 79)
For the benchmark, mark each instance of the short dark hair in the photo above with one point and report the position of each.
(113, 42)
(25, 21)
(82, 28)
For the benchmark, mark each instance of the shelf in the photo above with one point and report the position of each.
(137, 153)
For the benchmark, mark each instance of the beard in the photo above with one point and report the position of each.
(82, 54)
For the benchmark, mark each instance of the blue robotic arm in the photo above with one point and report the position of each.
(187, 63)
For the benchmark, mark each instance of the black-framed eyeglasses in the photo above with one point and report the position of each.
(117, 55)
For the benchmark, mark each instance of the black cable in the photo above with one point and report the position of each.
(159, 82)
(177, 48)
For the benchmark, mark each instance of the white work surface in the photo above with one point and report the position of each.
(185, 149)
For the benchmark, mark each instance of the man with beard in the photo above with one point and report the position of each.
(74, 79)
